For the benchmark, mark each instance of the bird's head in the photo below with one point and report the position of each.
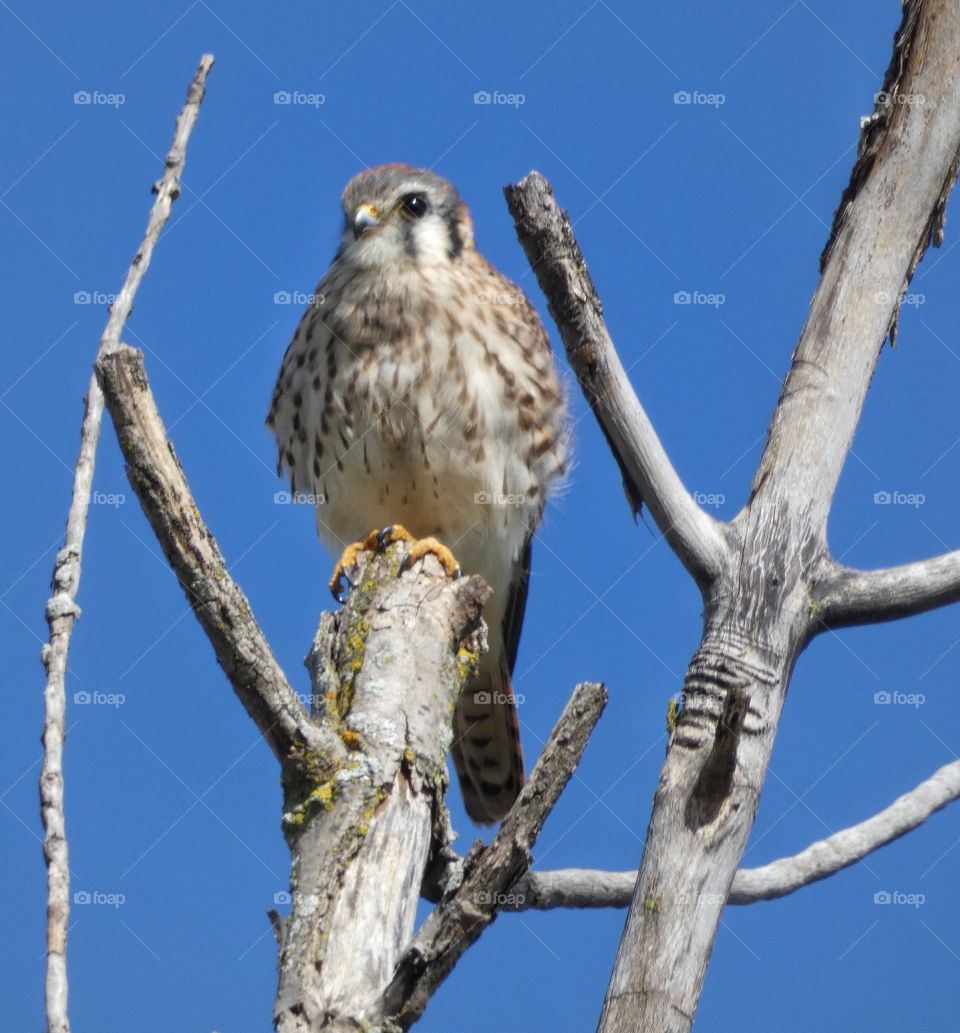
(397, 215)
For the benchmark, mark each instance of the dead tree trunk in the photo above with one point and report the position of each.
(768, 581)
(386, 673)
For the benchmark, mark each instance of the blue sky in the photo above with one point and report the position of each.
(174, 803)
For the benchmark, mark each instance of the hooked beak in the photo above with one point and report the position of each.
(366, 217)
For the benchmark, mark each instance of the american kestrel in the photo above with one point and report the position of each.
(420, 392)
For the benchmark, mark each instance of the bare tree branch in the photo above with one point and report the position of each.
(891, 210)
(649, 477)
(850, 845)
(221, 607)
(62, 610)
(847, 596)
(594, 888)
(572, 888)
(490, 872)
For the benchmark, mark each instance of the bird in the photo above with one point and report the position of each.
(420, 397)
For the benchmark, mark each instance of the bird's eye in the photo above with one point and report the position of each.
(413, 206)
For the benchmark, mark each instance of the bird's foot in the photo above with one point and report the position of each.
(424, 546)
(378, 540)
(348, 560)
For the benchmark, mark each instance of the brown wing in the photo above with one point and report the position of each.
(486, 751)
(517, 604)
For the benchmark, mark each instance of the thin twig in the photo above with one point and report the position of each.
(62, 610)
(849, 845)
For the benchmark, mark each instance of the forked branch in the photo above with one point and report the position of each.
(765, 568)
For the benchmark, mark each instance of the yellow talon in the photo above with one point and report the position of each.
(348, 559)
(377, 540)
(425, 546)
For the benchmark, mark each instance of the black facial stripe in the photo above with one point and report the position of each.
(409, 243)
(453, 231)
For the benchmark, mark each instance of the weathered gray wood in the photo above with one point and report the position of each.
(847, 596)
(221, 607)
(386, 672)
(62, 610)
(763, 574)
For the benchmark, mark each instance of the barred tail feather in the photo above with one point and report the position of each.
(486, 751)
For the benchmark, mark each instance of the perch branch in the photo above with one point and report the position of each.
(386, 672)
(593, 888)
(490, 872)
(62, 610)
(868, 596)
(221, 607)
(648, 475)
